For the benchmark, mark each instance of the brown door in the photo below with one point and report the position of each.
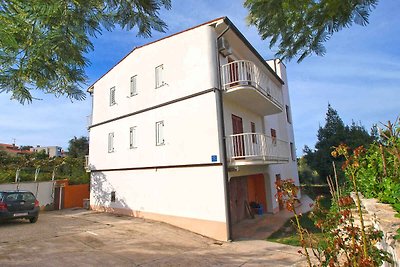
(58, 198)
(238, 198)
(238, 141)
(233, 73)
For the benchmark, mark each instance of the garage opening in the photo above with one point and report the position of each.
(247, 196)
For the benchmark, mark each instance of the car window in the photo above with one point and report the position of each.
(11, 197)
(29, 197)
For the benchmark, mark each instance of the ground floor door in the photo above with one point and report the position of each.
(238, 198)
(58, 198)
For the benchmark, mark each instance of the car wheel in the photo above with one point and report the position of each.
(33, 219)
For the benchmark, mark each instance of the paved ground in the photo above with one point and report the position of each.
(85, 238)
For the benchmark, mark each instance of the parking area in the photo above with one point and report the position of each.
(78, 237)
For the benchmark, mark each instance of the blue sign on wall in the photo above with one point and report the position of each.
(214, 158)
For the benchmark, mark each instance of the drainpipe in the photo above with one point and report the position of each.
(222, 143)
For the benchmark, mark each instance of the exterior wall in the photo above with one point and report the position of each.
(284, 131)
(74, 195)
(52, 151)
(189, 61)
(175, 195)
(246, 115)
(42, 190)
(190, 133)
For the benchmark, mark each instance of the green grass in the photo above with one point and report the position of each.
(288, 235)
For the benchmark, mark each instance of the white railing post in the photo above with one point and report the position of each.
(244, 72)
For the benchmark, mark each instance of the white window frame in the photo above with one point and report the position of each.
(110, 142)
(112, 96)
(132, 137)
(160, 133)
(159, 76)
(133, 86)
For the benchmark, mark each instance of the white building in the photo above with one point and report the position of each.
(190, 128)
(52, 151)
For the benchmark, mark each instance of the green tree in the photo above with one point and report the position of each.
(331, 135)
(43, 42)
(301, 27)
(78, 147)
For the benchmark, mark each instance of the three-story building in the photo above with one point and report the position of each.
(190, 129)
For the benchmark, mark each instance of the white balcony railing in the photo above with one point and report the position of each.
(246, 73)
(256, 146)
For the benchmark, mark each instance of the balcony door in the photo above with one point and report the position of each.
(233, 72)
(238, 138)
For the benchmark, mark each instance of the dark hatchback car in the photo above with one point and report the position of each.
(18, 205)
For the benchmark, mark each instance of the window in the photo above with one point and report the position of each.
(253, 131)
(292, 151)
(273, 136)
(159, 76)
(110, 142)
(288, 117)
(132, 137)
(112, 196)
(112, 96)
(134, 85)
(160, 133)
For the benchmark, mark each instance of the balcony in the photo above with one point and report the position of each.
(255, 149)
(249, 86)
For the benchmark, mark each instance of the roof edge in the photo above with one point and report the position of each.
(158, 40)
(241, 36)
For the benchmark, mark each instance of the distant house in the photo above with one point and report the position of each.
(190, 130)
(12, 149)
(52, 151)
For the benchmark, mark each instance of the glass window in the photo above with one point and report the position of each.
(132, 137)
(110, 142)
(134, 85)
(159, 76)
(288, 117)
(112, 96)
(292, 151)
(273, 136)
(160, 133)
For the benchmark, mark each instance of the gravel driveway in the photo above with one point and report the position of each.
(85, 238)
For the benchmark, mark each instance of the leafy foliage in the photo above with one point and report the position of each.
(62, 168)
(78, 147)
(332, 134)
(302, 27)
(43, 42)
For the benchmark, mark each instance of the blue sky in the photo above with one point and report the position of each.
(359, 76)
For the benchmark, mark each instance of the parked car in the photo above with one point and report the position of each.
(18, 205)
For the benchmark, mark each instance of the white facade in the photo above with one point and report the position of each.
(165, 139)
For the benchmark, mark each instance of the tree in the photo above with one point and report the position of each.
(301, 27)
(43, 42)
(331, 135)
(78, 147)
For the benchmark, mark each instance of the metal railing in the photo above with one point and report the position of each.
(256, 146)
(246, 73)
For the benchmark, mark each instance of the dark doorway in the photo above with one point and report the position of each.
(238, 141)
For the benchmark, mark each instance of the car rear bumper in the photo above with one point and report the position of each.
(7, 215)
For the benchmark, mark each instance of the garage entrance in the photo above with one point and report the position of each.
(243, 191)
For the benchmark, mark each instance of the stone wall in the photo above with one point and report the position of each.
(382, 217)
